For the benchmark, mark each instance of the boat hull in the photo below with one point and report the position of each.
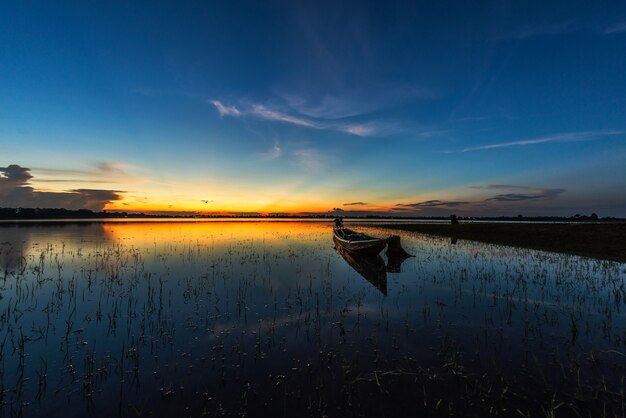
(370, 246)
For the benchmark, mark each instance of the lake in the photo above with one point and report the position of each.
(256, 318)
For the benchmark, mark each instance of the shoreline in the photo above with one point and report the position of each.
(605, 241)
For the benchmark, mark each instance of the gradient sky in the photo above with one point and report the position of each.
(411, 108)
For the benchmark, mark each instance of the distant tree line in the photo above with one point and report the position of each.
(575, 218)
(50, 213)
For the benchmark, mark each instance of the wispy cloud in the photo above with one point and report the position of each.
(559, 28)
(329, 107)
(497, 187)
(99, 168)
(269, 114)
(564, 137)
(273, 153)
(112, 172)
(224, 110)
(355, 204)
(518, 193)
(76, 181)
(359, 130)
(434, 133)
(616, 28)
(432, 203)
(545, 29)
(370, 98)
(309, 159)
(372, 128)
(281, 115)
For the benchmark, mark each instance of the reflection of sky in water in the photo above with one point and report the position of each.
(190, 314)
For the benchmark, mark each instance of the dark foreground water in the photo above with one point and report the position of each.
(269, 319)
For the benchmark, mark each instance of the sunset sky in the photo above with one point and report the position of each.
(406, 108)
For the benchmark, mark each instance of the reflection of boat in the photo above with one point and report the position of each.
(372, 268)
(394, 262)
(358, 242)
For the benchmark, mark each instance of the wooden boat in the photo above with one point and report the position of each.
(358, 242)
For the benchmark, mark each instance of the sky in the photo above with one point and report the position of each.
(407, 108)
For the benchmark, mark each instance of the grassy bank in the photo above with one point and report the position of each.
(605, 240)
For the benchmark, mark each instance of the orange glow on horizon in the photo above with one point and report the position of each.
(190, 200)
(227, 210)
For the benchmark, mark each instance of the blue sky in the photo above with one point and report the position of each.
(477, 108)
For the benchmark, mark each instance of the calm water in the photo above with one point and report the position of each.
(259, 318)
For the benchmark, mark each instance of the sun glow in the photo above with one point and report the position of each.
(214, 207)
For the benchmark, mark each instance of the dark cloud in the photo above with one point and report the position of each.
(355, 204)
(337, 210)
(430, 204)
(110, 168)
(15, 191)
(517, 197)
(518, 193)
(13, 176)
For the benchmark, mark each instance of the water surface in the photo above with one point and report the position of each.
(252, 318)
